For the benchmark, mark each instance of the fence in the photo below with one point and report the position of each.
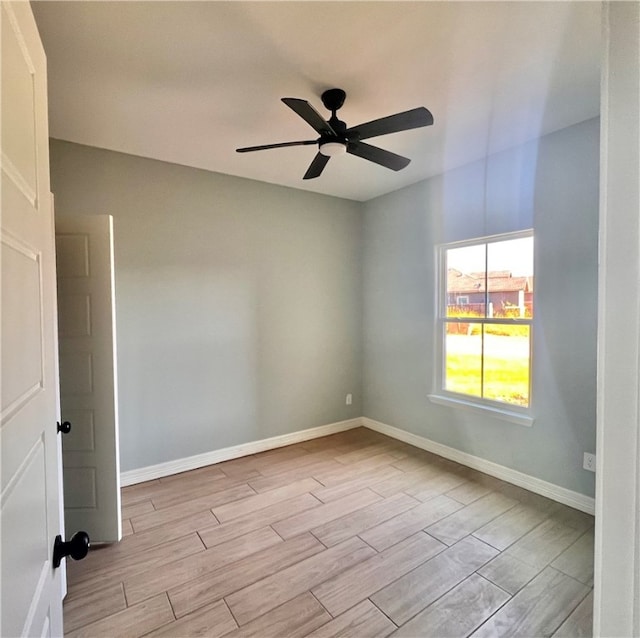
(502, 311)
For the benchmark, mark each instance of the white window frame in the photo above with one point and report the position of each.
(508, 412)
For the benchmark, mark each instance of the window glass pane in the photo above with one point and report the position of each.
(510, 277)
(506, 363)
(463, 358)
(465, 294)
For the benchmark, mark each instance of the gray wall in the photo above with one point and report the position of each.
(550, 185)
(238, 303)
(247, 310)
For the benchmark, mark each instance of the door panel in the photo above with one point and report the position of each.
(21, 370)
(19, 127)
(30, 481)
(25, 504)
(88, 391)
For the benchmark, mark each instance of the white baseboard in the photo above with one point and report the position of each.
(531, 483)
(151, 472)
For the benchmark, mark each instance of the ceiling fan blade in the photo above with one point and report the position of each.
(309, 115)
(378, 155)
(248, 149)
(316, 167)
(415, 118)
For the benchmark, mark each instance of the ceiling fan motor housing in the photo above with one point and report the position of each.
(330, 145)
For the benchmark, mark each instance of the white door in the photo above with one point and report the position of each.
(30, 499)
(88, 385)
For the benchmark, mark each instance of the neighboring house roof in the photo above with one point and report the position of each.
(498, 281)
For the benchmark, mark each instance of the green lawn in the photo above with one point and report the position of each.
(506, 367)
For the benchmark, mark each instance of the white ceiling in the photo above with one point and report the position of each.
(189, 82)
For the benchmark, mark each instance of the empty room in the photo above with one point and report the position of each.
(320, 319)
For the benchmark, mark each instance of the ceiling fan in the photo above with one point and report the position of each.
(336, 139)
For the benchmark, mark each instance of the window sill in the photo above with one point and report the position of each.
(498, 413)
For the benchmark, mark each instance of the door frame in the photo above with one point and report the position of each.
(617, 529)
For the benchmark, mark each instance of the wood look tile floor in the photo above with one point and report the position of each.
(353, 534)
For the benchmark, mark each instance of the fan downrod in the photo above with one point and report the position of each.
(333, 99)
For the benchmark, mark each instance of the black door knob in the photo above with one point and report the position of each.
(77, 547)
(64, 427)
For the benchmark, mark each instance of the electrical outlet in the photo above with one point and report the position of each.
(349, 399)
(589, 462)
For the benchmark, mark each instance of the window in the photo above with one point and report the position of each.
(485, 310)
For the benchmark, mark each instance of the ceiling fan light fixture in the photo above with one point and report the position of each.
(331, 149)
